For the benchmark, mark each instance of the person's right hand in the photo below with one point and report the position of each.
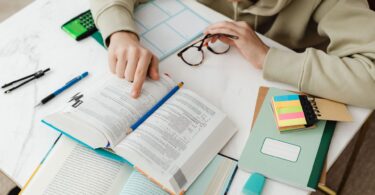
(248, 43)
(129, 60)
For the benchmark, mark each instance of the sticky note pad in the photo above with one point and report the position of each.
(288, 111)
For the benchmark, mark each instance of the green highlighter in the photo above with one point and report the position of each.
(80, 26)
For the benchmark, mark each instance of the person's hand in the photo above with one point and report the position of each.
(248, 43)
(129, 60)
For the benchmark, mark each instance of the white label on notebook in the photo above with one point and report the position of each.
(281, 149)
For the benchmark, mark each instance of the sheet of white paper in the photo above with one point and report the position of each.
(179, 22)
(162, 26)
(150, 15)
(152, 48)
(140, 28)
(170, 7)
(165, 38)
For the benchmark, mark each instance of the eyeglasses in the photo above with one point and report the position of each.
(193, 55)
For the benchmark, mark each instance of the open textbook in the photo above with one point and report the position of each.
(169, 134)
(71, 168)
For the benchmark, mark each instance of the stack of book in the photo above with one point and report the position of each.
(296, 157)
(71, 168)
(169, 138)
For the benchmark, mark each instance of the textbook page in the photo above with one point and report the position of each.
(138, 184)
(167, 141)
(71, 168)
(109, 110)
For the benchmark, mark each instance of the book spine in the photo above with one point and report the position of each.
(40, 164)
(156, 106)
(321, 154)
(231, 180)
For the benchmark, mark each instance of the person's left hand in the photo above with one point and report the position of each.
(248, 43)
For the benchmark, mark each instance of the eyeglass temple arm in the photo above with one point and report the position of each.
(200, 46)
(212, 35)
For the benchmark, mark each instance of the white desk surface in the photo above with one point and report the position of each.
(32, 40)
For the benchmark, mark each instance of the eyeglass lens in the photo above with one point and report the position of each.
(218, 47)
(194, 55)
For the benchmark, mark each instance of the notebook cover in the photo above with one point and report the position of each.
(262, 92)
(317, 169)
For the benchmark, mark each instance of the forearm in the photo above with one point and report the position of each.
(345, 79)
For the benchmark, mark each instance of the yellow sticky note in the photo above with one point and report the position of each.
(291, 122)
(287, 104)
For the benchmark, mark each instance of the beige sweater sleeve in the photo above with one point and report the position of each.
(346, 72)
(114, 15)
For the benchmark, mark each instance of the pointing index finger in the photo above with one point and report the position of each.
(140, 74)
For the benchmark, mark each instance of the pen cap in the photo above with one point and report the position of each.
(85, 74)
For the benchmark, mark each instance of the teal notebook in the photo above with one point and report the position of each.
(295, 157)
(70, 168)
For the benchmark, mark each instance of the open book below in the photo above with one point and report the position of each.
(169, 134)
(71, 168)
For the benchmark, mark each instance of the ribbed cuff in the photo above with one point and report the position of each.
(284, 66)
(113, 19)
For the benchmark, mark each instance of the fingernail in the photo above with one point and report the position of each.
(156, 76)
(134, 94)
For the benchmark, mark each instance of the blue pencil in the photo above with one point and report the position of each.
(156, 106)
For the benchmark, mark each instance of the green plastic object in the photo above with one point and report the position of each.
(254, 185)
(80, 26)
(74, 29)
(98, 38)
